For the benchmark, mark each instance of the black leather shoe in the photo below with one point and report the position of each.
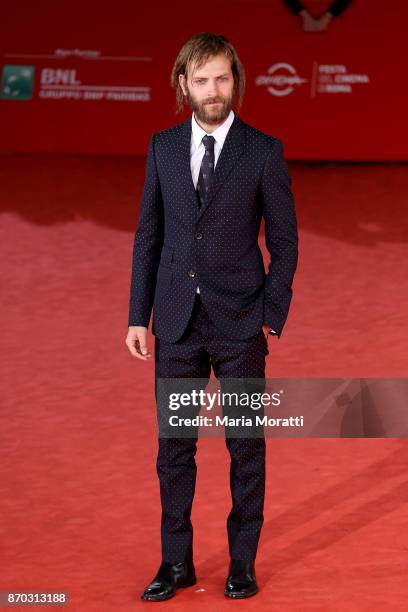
(168, 579)
(241, 581)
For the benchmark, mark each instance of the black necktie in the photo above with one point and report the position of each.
(206, 170)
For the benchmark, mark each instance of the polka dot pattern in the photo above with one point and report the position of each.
(201, 347)
(179, 246)
(206, 169)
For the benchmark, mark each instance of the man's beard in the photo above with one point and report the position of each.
(210, 114)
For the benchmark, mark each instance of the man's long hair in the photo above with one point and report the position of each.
(200, 48)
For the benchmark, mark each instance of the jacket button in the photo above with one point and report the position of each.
(199, 235)
(191, 273)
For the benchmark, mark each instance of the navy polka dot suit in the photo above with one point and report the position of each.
(179, 246)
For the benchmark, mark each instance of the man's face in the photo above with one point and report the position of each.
(209, 90)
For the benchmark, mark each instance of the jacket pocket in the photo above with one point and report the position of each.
(163, 282)
(166, 258)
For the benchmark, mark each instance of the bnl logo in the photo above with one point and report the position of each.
(17, 82)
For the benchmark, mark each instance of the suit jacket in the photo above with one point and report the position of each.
(179, 246)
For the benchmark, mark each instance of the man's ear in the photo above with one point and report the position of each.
(182, 83)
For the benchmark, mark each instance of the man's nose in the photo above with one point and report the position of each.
(212, 90)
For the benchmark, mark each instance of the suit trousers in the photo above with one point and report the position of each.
(201, 347)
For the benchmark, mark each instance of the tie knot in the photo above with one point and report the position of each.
(208, 142)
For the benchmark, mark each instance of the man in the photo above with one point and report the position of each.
(197, 263)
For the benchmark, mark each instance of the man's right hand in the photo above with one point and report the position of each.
(136, 342)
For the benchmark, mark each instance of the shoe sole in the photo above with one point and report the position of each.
(231, 596)
(186, 584)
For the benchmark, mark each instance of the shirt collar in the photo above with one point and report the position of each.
(219, 134)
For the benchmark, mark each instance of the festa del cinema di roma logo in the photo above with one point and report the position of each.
(281, 79)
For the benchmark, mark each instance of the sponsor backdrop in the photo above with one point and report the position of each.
(95, 78)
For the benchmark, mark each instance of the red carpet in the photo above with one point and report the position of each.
(79, 492)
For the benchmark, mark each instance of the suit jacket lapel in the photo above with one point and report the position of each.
(233, 148)
(182, 146)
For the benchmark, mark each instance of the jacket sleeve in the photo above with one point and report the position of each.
(147, 245)
(338, 6)
(281, 237)
(335, 8)
(295, 6)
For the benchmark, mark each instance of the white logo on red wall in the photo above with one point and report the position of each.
(63, 84)
(281, 79)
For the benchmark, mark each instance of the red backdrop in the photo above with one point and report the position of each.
(94, 78)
